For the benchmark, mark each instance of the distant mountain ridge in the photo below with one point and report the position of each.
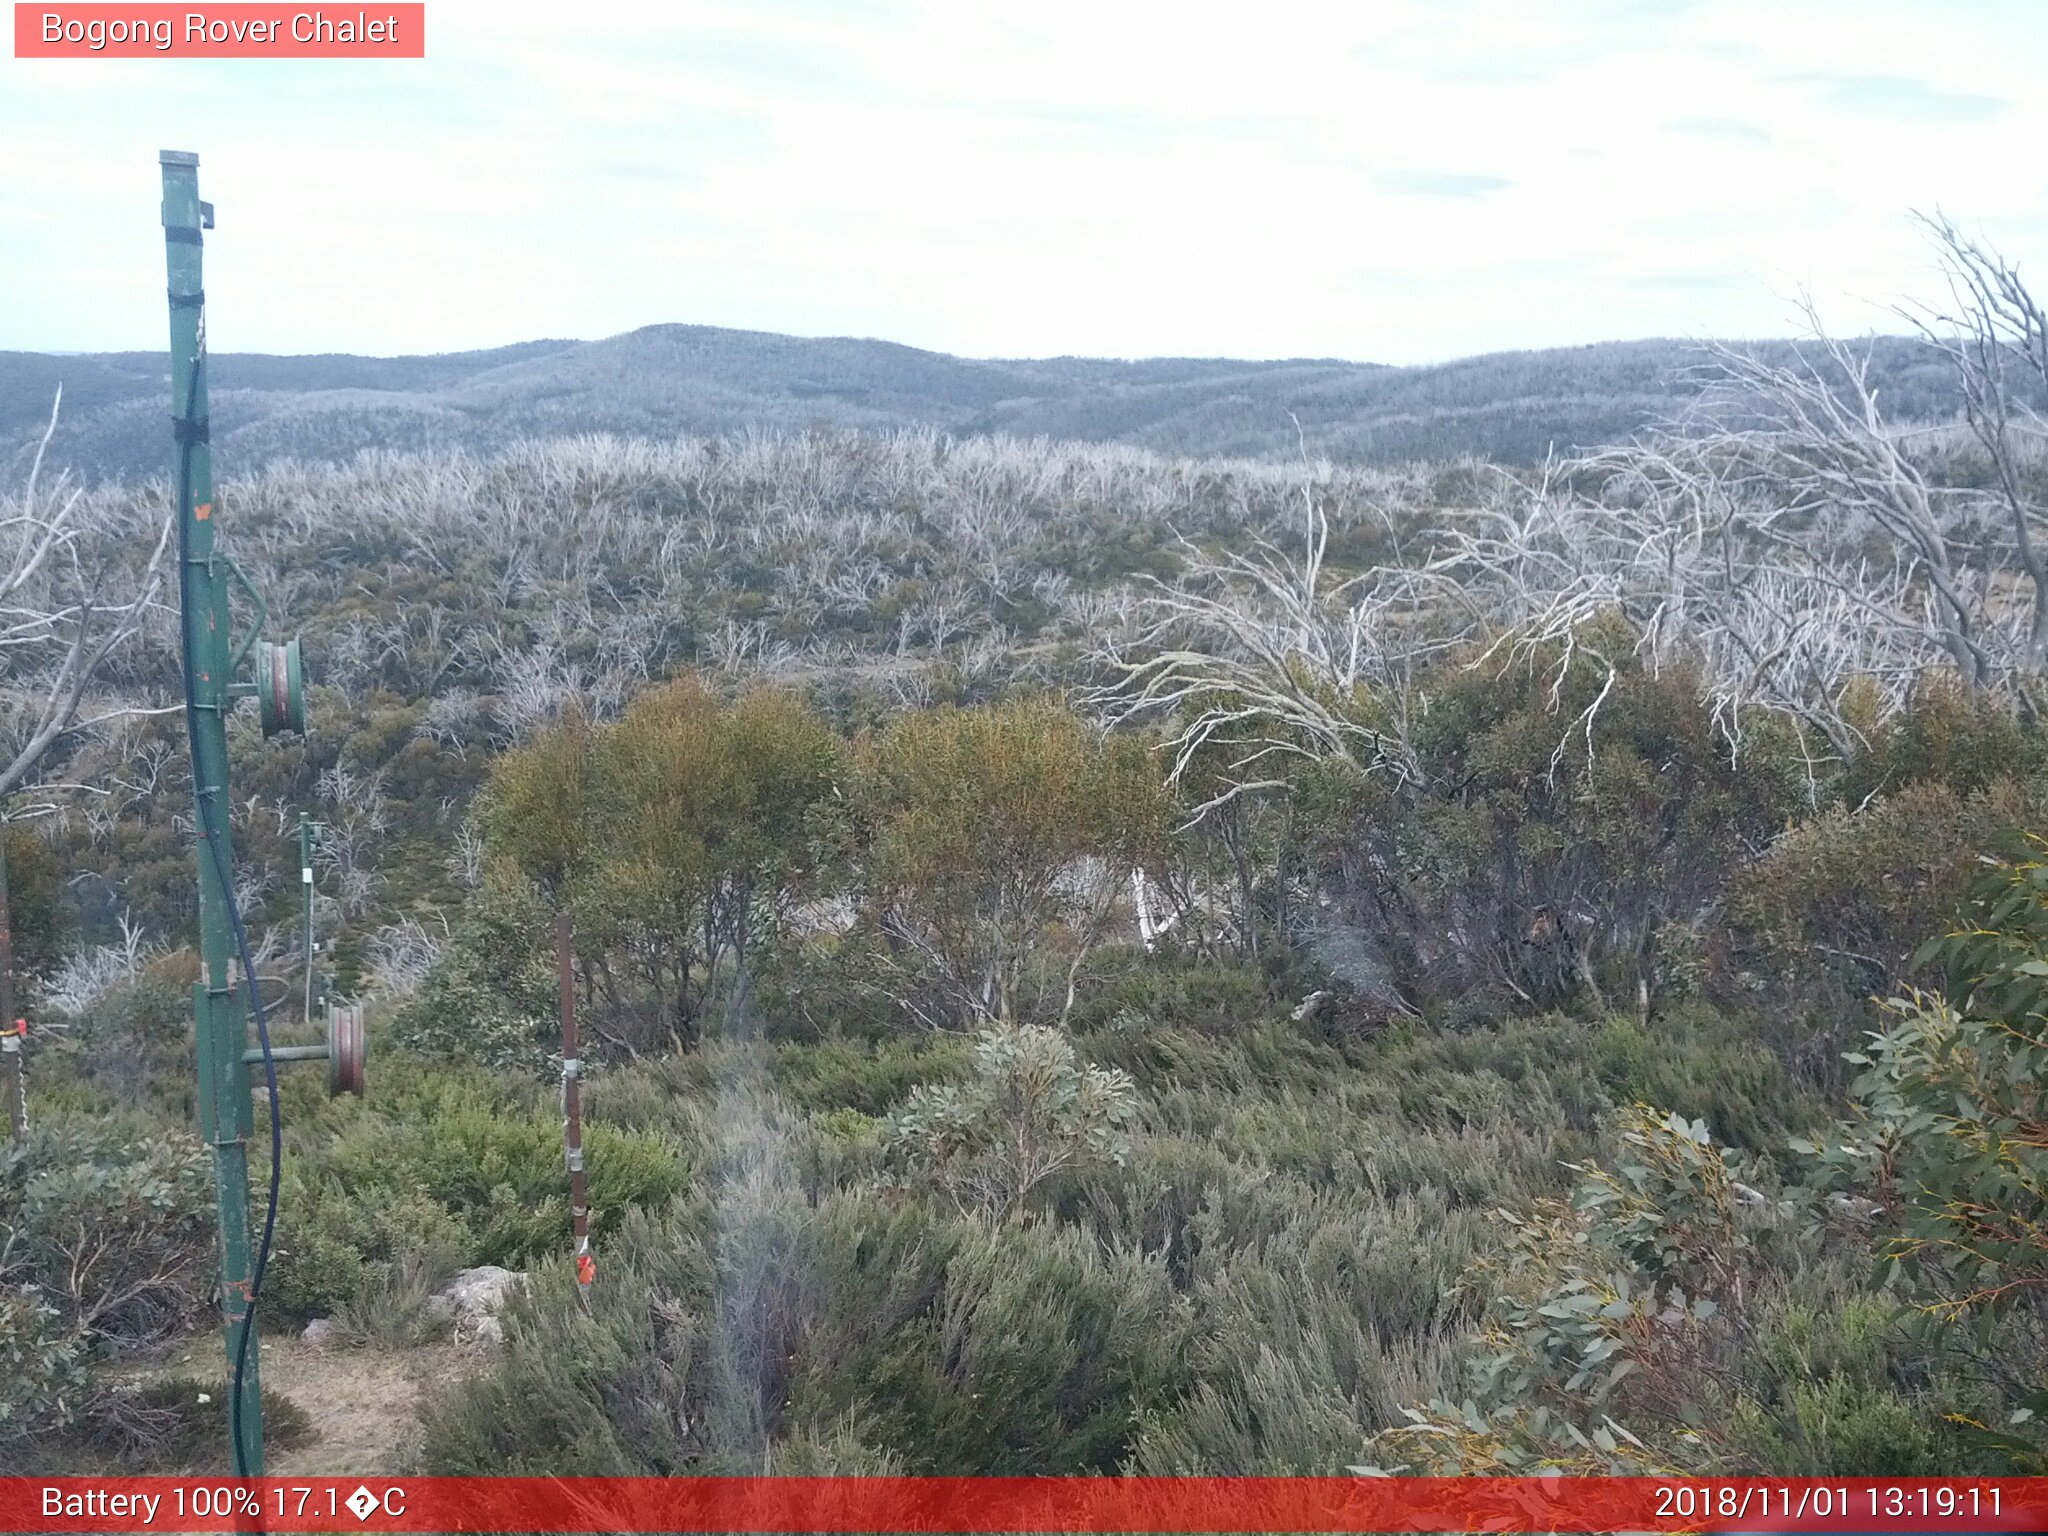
(666, 380)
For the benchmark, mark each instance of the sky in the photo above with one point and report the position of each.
(1393, 181)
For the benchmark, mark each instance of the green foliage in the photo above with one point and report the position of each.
(110, 1227)
(131, 1049)
(983, 825)
(844, 1074)
(537, 805)
(1850, 895)
(1670, 1207)
(1315, 1311)
(42, 1365)
(1029, 1112)
(39, 923)
(729, 1334)
(1827, 1369)
(492, 997)
(106, 1238)
(435, 1171)
(1944, 1157)
(681, 838)
(1945, 735)
(1562, 812)
(504, 1175)
(1952, 1093)
(1710, 1067)
(338, 1245)
(1037, 1352)
(1606, 1341)
(1132, 991)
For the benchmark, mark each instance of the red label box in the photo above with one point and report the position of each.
(233, 31)
(991, 1506)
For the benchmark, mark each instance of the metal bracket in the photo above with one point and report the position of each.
(248, 641)
(343, 1052)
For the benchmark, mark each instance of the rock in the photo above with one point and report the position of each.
(476, 1294)
(484, 1332)
(321, 1333)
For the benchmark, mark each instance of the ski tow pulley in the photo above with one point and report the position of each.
(281, 688)
(344, 1051)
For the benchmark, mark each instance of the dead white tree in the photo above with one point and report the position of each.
(1259, 658)
(70, 595)
(1693, 554)
(1995, 336)
(1837, 477)
(72, 592)
(1786, 537)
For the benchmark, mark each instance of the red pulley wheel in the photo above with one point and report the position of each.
(344, 1052)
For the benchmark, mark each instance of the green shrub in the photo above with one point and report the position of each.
(38, 919)
(872, 1078)
(1314, 1313)
(106, 1238)
(131, 1050)
(1846, 898)
(492, 997)
(42, 1366)
(1948, 1097)
(1560, 810)
(1947, 735)
(1836, 1387)
(1029, 1111)
(1132, 990)
(1707, 1066)
(505, 1177)
(655, 1093)
(1606, 1337)
(1032, 1352)
(734, 1331)
(113, 1228)
(442, 1166)
(1947, 1142)
(336, 1247)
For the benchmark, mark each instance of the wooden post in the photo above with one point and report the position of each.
(13, 1041)
(572, 1109)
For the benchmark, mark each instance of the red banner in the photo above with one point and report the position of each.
(236, 31)
(1017, 1504)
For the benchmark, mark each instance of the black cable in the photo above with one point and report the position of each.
(210, 830)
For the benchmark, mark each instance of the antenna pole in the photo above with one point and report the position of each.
(226, 1118)
(306, 886)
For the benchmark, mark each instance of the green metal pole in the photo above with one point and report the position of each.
(219, 1011)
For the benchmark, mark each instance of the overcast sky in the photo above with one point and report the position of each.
(1388, 180)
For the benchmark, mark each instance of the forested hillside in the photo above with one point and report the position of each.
(668, 379)
(1090, 957)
